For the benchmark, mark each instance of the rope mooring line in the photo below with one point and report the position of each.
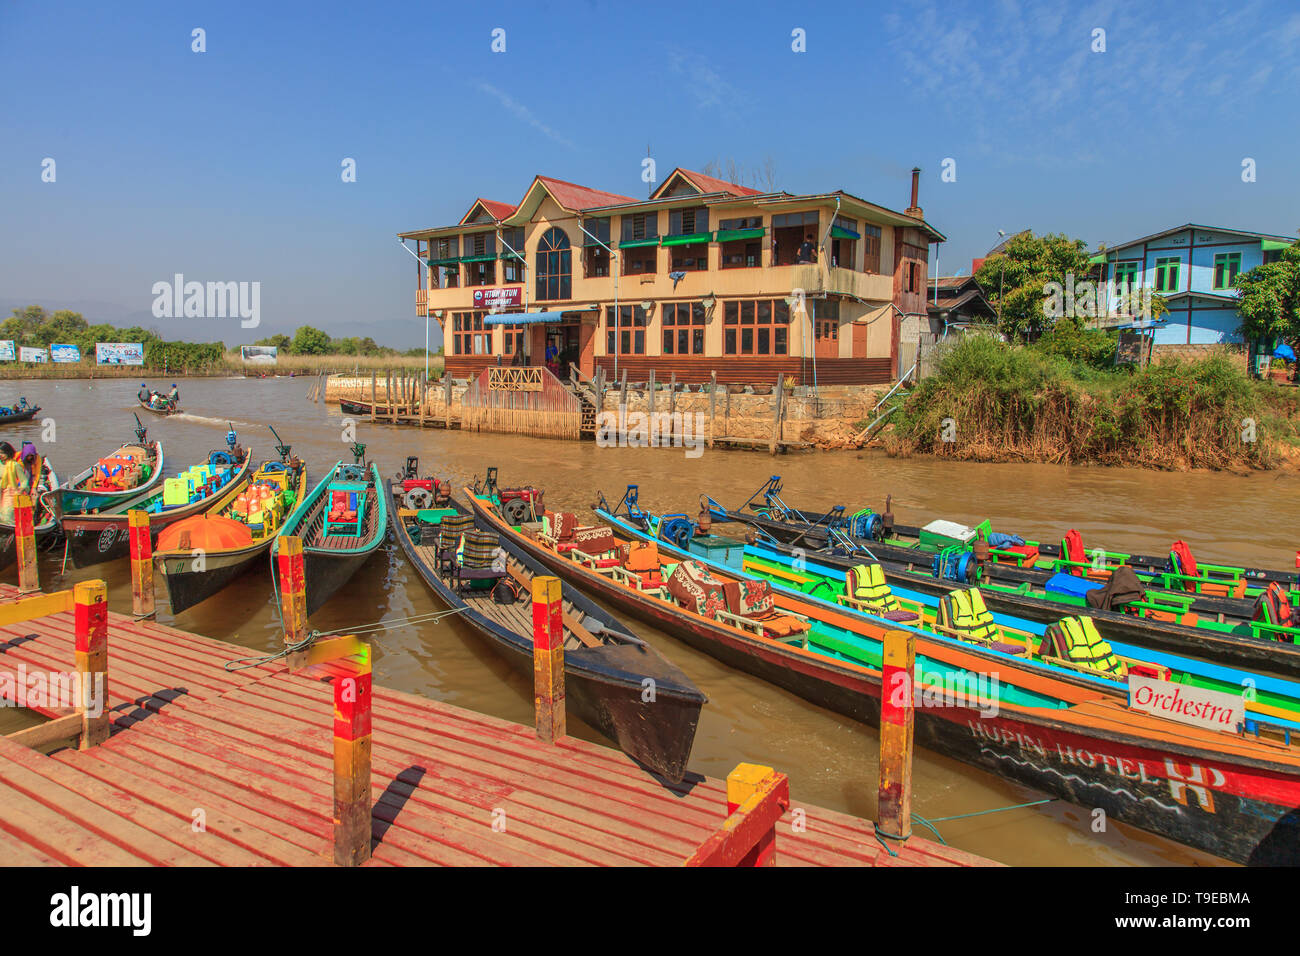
(930, 824)
(243, 663)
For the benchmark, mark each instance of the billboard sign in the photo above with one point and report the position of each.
(119, 353)
(39, 356)
(65, 353)
(259, 354)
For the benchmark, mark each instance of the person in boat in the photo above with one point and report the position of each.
(28, 458)
(174, 396)
(144, 394)
(12, 482)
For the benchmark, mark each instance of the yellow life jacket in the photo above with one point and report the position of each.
(1076, 639)
(866, 583)
(965, 613)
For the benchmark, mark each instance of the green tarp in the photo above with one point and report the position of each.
(731, 235)
(691, 239)
(839, 232)
(478, 258)
(444, 262)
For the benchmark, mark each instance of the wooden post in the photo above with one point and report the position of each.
(141, 545)
(650, 398)
(293, 593)
(352, 697)
(90, 615)
(447, 410)
(757, 798)
(726, 415)
(424, 396)
(894, 800)
(548, 659)
(392, 405)
(776, 416)
(713, 404)
(374, 377)
(622, 390)
(672, 400)
(25, 541)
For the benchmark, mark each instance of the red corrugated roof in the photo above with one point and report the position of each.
(573, 196)
(498, 210)
(711, 184)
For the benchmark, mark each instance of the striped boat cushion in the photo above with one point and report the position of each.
(451, 528)
(479, 547)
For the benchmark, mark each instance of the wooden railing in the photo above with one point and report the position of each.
(757, 798)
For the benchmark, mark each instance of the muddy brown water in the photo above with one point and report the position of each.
(830, 760)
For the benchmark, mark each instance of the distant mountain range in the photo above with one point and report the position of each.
(393, 333)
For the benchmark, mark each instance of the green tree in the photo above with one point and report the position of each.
(310, 341)
(1014, 279)
(1270, 299)
(279, 341)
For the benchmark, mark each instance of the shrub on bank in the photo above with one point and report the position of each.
(990, 401)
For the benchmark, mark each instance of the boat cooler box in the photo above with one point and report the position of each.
(714, 547)
(940, 534)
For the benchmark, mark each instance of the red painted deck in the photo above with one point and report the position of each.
(249, 754)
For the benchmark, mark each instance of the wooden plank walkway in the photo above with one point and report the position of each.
(211, 767)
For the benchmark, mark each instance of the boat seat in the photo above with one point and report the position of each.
(865, 588)
(1077, 641)
(694, 588)
(754, 600)
(347, 509)
(964, 614)
(475, 558)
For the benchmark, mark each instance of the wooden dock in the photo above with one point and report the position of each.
(208, 766)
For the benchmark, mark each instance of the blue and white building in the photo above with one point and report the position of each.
(1192, 267)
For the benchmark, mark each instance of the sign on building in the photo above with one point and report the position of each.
(498, 298)
(119, 353)
(1211, 709)
(26, 354)
(65, 353)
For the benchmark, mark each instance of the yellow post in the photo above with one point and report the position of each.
(141, 545)
(25, 541)
(352, 721)
(894, 804)
(90, 615)
(293, 593)
(548, 659)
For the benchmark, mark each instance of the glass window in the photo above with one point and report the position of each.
(626, 334)
(1167, 274)
(685, 222)
(755, 327)
(1226, 267)
(641, 225)
(554, 266)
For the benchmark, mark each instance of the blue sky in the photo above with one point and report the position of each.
(225, 165)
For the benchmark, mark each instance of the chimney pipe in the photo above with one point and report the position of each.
(914, 210)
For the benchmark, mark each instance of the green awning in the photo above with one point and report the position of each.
(1098, 259)
(512, 255)
(444, 262)
(491, 258)
(839, 232)
(687, 240)
(1271, 245)
(638, 243)
(731, 235)
(589, 242)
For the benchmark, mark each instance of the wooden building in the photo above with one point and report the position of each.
(703, 276)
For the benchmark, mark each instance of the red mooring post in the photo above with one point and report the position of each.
(894, 799)
(352, 700)
(25, 541)
(548, 659)
(293, 594)
(90, 616)
(757, 798)
(141, 544)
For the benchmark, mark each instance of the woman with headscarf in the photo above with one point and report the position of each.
(12, 482)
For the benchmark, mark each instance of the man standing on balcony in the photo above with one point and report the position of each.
(805, 250)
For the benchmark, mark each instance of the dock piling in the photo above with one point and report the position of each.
(894, 799)
(352, 723)
(548, 659)
(141, 545)
(25, 541)
(713, 405)
(293, 595)
(757, 798)
(90, 614)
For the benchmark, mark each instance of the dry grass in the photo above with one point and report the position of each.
(300, 364)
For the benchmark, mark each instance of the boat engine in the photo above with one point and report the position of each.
(954, 565)
(678, 529)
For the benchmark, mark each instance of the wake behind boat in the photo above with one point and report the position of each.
(606, 669)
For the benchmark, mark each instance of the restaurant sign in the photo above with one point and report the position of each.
(498, 298)
(1211, 709)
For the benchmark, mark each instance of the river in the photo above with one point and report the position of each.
(830, 760)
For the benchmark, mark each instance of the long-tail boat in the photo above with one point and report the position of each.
(1177, 570)
(1070, 648)
(45, 522)
(607, 670)
(208, 485)
(1222, 792)
(1229, 631)
(200, 555)
(131, 472)
(22, 412)
(341, 522)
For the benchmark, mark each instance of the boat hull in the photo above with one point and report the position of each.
(1232, 809)
(188, 585)
(604, 685)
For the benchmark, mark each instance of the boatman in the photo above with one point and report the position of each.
(143, 394)
(174, 397)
